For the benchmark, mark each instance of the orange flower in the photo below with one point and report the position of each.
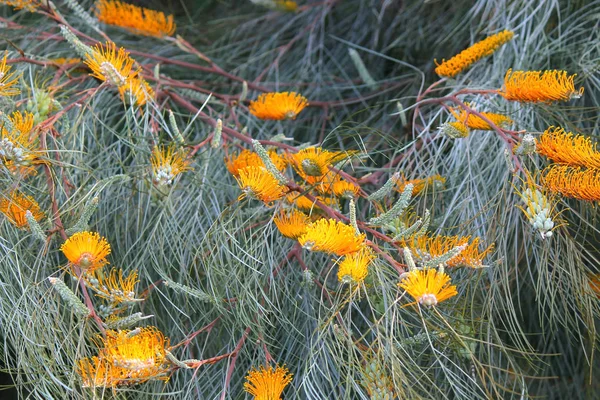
(473, 121)
(465, 58)
(16, 206)
(109, 65)
(86, 250)
(345, 189)
(18, 145)
(29, 5)
(247, 158)
(138, 90)
(354, 267)
(428, 287)
(577, 183)
(331, 236)
(565, 148)
(292, 224)
(267, 384)
(425, 248)
(455, 130)
(304, 203)
(420, 184)
(8, 80)
(142, 21)
(315, 161)
(257, 182)
(538, 86)
(278, 106)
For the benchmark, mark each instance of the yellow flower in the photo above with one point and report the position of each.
(574, 182)
(137, 89)
(16, 206)
(63, 61)
(425, 248)
(305, 204)
(8, 80)
(428, 287)
(565, 148)
(96, 372)
(538, 86)
(257, 182)
(420, 184)
(292, 224)
(114, 287)
(167, 163)
(278, 106)
(17, 145)
(86, 250)
(354, 267)
(247, 158)
(267, 384)
(345, 189)
(473, 121)
(465, 58)
(109, 65)
(29, 5)
(315, 161)
(454, 129)
(331, 236)
(139, 20)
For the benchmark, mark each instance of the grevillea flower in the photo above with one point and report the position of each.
(473, 121)
(355, 266)
(109, 65)
(539, 86)
(86, 250)
(292, 224)
(18, 145)
(258, 183)
(138, 90)
(114, 287)
(466, 58)
(304, 203)
(315, 161)
(425, 248)
(333, 237)
(29, 5)
(267, 383)
(565, 148)
(247, 158)
(428, 287)
(167, 163)
(454, 130)
(15, 208)
(8, 79)
(139, 20)
(126, 358)
(278, 106)
(574, 182)
(421, 184)
(538, 208)
(345, 189)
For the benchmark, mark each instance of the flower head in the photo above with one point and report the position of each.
(454, 130)
(345, 189)
(315, 161)
(538, 208)
(167, 163)
(425, 248)
(354, 267)
(139, 20)
(15, 208)
(247, 158)
(466, 58)
(267, 383)
(8, 79)
(138, 90)
(538, 86)
(257, 182)
(109, 65)
(114, 288)
(292, 224)
(473, 121)
(574, 182)
(421, 184)
(305, 204)
(333, 237)
(278, 106)
(17, 144)
(29, 5)
(565, 148)
(428, 287)
(86, 250)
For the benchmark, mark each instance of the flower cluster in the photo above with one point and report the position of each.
(18, 145)
(539, 86)
(135, 19)
(538, 209)
(426, 248)
(16, 206)
(267, 383)
(168, 162)
(473, 121)
(8, 79)
(428, 287)
(419, 185)
(278, 106)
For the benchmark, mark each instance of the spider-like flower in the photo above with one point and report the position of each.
(139, 20)
(111, 65)
(305, 204)
(247, 158)
(17, 144)
(167, 163)
(333, 237)
(419, 185)
(29, 5)
(539, 86)
(138, 90)
(426, 248)
(428, 287)
(86, 250)
(454, 130)
(574, 182)
(355, 266)
(473, 121)
(127, 358)
(8, 79)
(115, 288)
(565, 148)
(267, 383)
(292, 224)
(278, 106)
(258, 183)
(538, 209)
(345, 189)
(315, 161)
(463, 60)
(15, 208)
